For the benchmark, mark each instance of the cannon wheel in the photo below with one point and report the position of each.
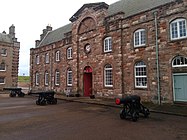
(37, 102)
(43, 102)
(146, 112)
(123, 114)
(55, 101)
(12, 94)
(135, 116)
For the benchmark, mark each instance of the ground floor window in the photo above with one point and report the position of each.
(2, 80)
(46, 78)
(37, 80)
(108, 76)
(140, 75)
(69, 77)
(57, 78)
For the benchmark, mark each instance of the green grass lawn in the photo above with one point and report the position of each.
(23, 78)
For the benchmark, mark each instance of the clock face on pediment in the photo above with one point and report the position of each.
(87, 48)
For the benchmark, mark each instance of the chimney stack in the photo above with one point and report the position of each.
(12, 31)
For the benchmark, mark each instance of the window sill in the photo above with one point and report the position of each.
(178, 39)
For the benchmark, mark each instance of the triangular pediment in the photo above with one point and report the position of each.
(95, 6)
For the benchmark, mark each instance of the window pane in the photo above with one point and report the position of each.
(2, 80)
(57, 78)
(180, 62)
(140, 75)
(69, 77)
(182, 28)
(2, 67)
(108, 75)
(174, 30)
(108, 44)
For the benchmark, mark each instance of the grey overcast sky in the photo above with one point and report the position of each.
(30, 17)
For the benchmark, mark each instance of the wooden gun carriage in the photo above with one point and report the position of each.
(132, 107)
(15, 91)
(45, 97)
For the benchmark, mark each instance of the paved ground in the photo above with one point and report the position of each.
(20, 118)
(173, 109)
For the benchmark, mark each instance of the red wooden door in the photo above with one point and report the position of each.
(87, 84)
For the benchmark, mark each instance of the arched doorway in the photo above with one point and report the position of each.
(179, 65)
(87, 81)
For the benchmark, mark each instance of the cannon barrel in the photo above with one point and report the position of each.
(41, 92)
(128, 99)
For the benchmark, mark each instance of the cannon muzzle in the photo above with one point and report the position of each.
(128, 99)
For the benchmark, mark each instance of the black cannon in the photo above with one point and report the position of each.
(15, 91)
(45, 97)
(132, 107)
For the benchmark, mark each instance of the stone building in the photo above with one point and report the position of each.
(9, 59)
(128, 47)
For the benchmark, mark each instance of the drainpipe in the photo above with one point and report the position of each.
(122, 61)
(157, 58)
(51, 68)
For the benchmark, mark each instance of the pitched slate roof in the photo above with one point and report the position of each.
(132, 7)
(129, 7)
(55, 35)
(5, 38)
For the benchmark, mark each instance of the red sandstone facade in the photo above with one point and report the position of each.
(9, 59)
(112, 52)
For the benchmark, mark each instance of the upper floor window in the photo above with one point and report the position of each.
(140, 75)
(4, 52)
(2, 66)
(46, 78)
(47, 58)
(108, 44)
(178, 29)
(2, 80)
(180, 61)
(57, 78)
(37, 59)
(69, 77)
(108, 74)
(37, 79)
(139, 38)
(57, 55)
(69, 53)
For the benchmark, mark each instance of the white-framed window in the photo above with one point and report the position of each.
(179, 61)
(178, 29)
(108, 76)
(47, 58)
(2, 66)
(4, 52)
(57, 78)
(37, 78)
(108, 44)
(46, 78)
(139, 38)
(2, 80)
(57, 56)
(69, 77)
(69, 53)
(37, 59)
(140, 75)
